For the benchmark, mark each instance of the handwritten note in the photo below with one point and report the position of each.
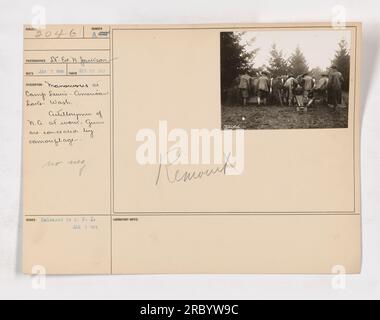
(67, 118)
(55, 113)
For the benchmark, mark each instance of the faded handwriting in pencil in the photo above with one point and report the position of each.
(80, 164)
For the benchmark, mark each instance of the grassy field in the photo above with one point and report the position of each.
(277, 117)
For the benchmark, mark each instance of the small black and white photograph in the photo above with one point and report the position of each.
(285, 79)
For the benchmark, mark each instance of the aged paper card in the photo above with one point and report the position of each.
(192, 149)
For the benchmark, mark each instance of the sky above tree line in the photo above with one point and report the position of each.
(318, 46)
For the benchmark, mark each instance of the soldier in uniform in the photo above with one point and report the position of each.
(263, 88)
(335, 86)
(244, 87)
(320, 89)
(290, 85)
(308, 84)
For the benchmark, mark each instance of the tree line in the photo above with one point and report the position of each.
(236, 59)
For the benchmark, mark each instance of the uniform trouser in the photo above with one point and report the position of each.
(300, 100)
(336, 96)
(289, 95)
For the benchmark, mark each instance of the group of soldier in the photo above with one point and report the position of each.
(290, 90)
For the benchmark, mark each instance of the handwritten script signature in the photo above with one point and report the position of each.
(176, 176)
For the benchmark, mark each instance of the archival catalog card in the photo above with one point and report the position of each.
(191, 149)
